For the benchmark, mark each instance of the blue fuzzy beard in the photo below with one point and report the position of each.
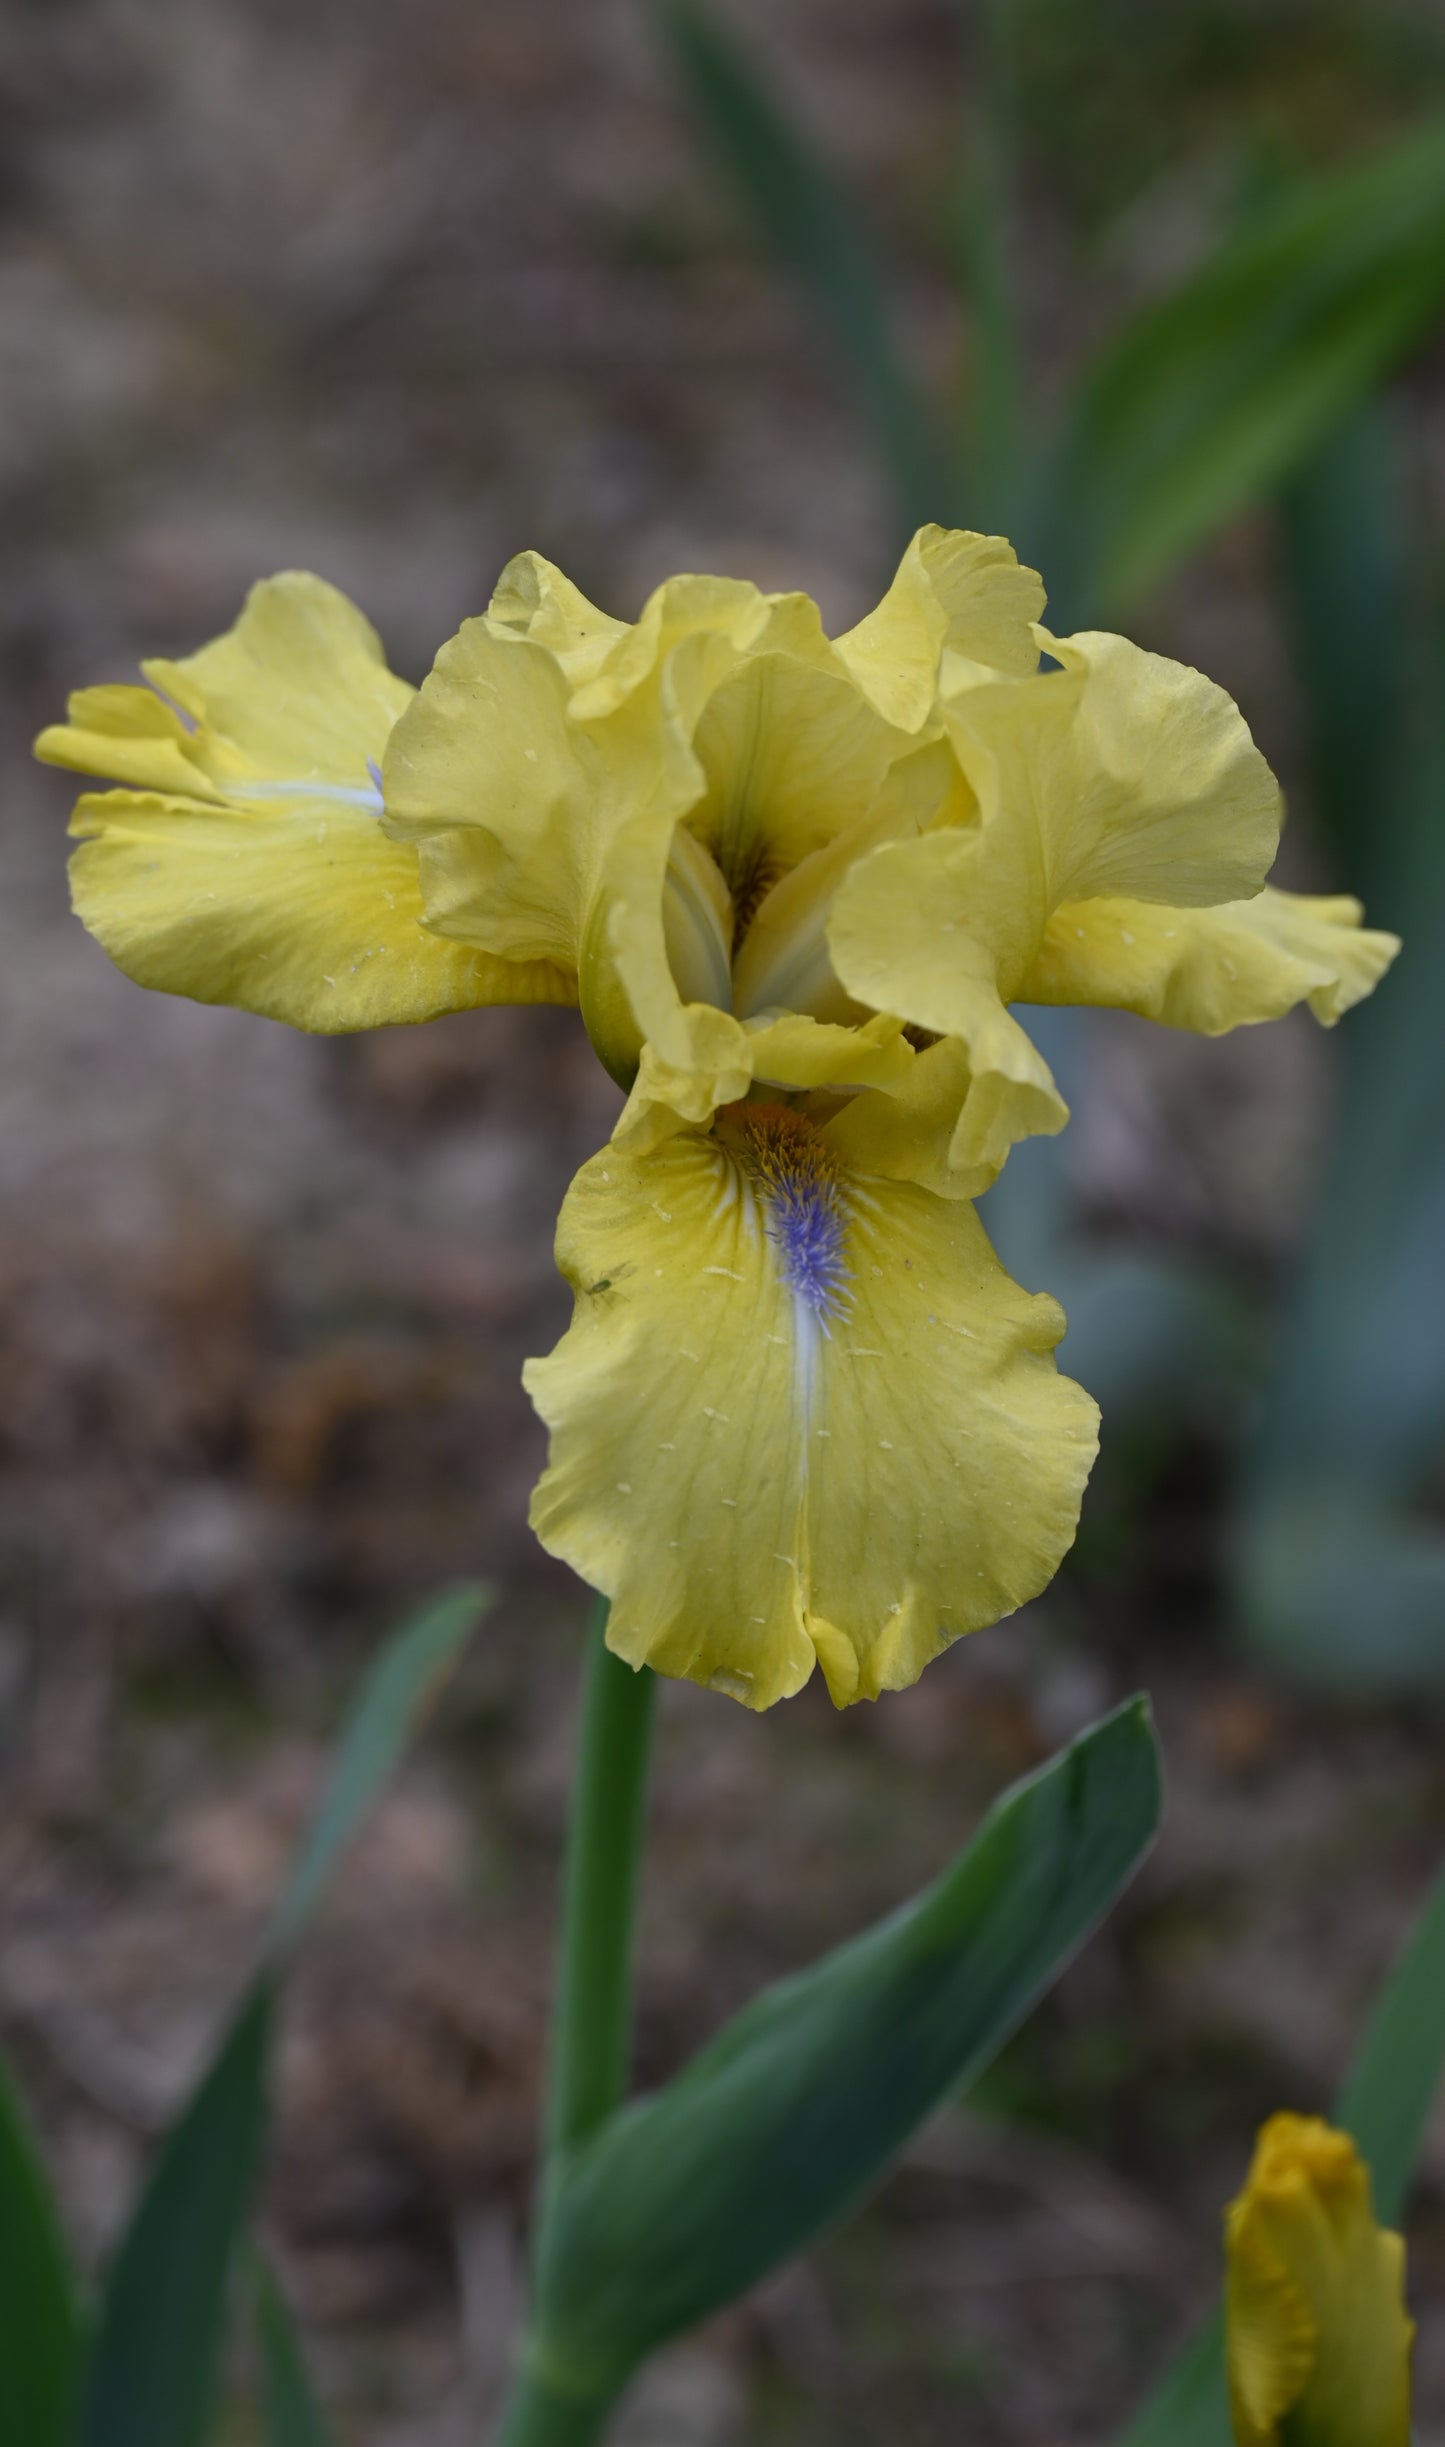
(807, 1223)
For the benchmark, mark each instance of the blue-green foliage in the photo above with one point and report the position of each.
(803, 213)
(144, 2372)
(40, 2332)
(1341, 1577)
(290, 2415)
(689, 2197)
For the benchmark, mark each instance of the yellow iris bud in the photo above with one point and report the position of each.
(1317, 2335)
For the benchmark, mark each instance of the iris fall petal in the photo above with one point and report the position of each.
(801, 1415)
(245, 859)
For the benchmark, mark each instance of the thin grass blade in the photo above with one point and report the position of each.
(383, 1719)
(1386, 2100)
(1340, 1576)
(152, 2375)
(291, 2416)
(1209, 398)
(40, 2326)
(807, 221)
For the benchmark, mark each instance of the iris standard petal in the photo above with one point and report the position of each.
(1119, 772)
(532, 598)
(786, 755)
(725, 1060)
(954, 592)
(1211, 969)
(792, 758)
(721, 621)
(304, 912)
(524, 818)
(1317, 2338)
(484, 776)
(909, 1131)
(1122, 773)
(801, 1415)
(904, 936)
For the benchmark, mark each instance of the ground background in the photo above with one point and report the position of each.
(389, 293)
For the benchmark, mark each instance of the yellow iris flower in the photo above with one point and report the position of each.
(801, 1414)
(1317, 2335)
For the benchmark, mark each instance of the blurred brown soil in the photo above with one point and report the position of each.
(391, 293)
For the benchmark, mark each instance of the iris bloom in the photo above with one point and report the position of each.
(1317, 2335)
(801, 1414)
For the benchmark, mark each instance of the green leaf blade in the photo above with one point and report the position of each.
(151, 2375)
(1212, 396)
(396, 1693)
(778, 2127)
(805, 219)
(291, 2416)
(40, 2328)
(151, 2380)
(1190, 2408)
(1391, 2086)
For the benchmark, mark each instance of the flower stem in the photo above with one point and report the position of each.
(592, 2010)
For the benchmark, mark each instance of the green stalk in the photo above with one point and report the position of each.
(592, 2010)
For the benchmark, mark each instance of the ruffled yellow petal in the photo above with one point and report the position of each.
(954, 592)
(533, 599)
(298, 690)
(909, 1131)
(1211, 969)
(631, 845)
(725, 1059)
(1317, 2336)
(508, 806)
(1118, 766)
(801, 1414)
(793, 757)
(720, 622)
(903, 939)
(297, 694)
(128, 735)
(542, 837)
(1123, 773)
(303, 911)
(246, 861)
(1272, 2336)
